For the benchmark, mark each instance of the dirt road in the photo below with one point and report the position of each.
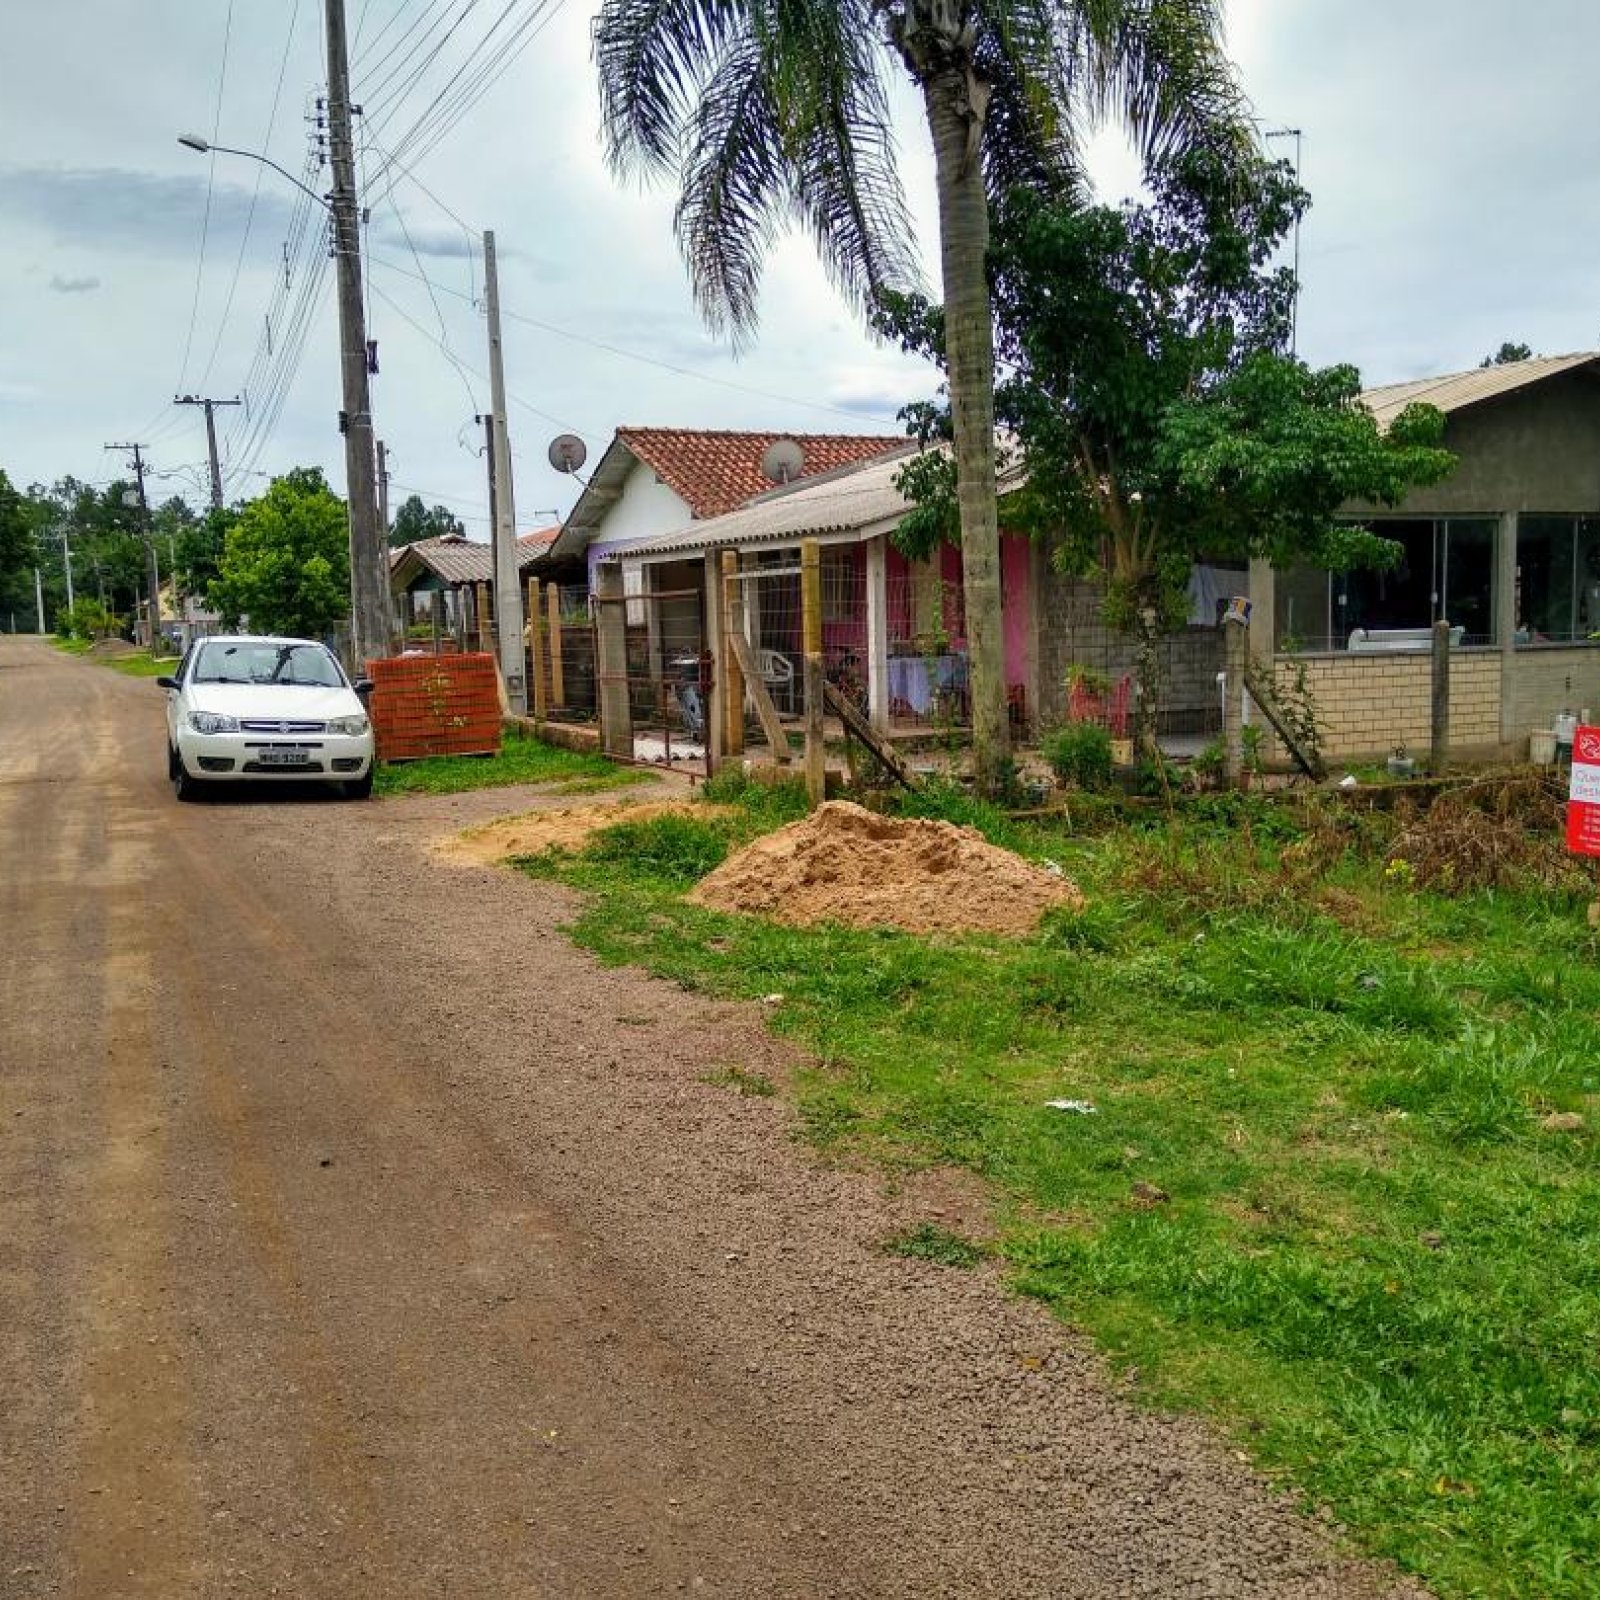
(359, 1237)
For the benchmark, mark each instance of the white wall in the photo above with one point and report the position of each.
(645, 507)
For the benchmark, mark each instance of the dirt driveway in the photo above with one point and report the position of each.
(359, 1237)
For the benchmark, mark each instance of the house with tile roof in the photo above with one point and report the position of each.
(655, 480)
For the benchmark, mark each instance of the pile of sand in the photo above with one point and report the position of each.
(566, 829)
(845, 864)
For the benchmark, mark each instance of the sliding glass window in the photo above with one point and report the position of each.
(1558, 578)
(1447, 569)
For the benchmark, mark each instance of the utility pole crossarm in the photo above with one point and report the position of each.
(211, 438)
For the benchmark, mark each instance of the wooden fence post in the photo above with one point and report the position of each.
(811, 637)
(558, 676)
(485, 621)
(536, 668)
(1439, 753)
(731, 678)
(611, 665)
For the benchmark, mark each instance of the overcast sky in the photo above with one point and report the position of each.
(1450, 147)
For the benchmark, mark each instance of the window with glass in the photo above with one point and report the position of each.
(1447, 569)
(1558, 578)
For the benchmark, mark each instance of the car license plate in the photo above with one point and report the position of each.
(283, 758)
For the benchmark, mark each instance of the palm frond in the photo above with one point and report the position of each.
(841, 147)
(736, 186)
(1163, 72)
(654, 58)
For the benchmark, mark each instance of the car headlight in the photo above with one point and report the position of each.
(212, 722)
(349, 725)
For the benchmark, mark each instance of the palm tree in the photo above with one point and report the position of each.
(776, 111)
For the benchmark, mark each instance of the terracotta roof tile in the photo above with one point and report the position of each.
(715, 471)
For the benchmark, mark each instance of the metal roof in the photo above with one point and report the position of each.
(1455, 390)
(455, 561)
(852, 502)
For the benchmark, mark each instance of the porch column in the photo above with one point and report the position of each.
(1263, 611)
(717, 647)
(878, 632)
(1505, 621)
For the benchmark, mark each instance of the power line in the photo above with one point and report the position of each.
(211, 174)
(255, 194)
(652, 361)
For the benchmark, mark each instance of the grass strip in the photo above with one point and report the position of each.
(1337, 1188)
(521, 760)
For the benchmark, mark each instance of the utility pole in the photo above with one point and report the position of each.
(66, 558)
(371, 628)
(211, 439)
(38, 600)
(383, 489)
(152, 572)
(507, 578)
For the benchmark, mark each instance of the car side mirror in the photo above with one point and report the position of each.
(166, 682)
(363, 687)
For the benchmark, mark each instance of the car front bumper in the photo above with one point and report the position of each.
(232, 757)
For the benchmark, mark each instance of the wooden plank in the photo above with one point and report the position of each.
(536, 663)
(863, 730)
(814, 677)
(755, 686)
(1312, 769)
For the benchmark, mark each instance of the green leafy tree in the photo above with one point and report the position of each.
(415, 521)
(17, 546)
(1158, 418)
(1508, 352)
(285, 564)
(198, 545)
(777, 111)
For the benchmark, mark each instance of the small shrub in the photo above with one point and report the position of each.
(85, 619)
(1080, 754)
(727, 785)
(742, 1081)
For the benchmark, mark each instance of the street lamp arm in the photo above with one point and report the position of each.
(193, 141)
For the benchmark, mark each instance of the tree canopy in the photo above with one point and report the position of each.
(415, 521)
(1508, 352)
(285, 563)
(16, 530)
(1159, 419)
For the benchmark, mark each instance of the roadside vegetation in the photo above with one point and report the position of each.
(131, 663)
(1326, 1169)
(521, 760)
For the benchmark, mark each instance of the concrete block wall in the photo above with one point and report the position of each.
(1071, 630)
(1545, 681)
(1369, 704)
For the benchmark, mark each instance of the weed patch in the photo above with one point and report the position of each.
(928, 1242)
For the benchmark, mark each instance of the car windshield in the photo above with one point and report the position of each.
(252, 661)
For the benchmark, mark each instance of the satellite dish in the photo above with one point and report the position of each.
(782, 461)
(566, 452)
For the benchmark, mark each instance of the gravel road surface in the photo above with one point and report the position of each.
(360, 1237)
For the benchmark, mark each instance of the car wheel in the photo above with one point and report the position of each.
(359, 788)
(183, 786)
(172, 765)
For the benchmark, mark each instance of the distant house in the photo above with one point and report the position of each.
(454, 566)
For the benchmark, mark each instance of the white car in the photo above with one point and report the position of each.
(247, 708)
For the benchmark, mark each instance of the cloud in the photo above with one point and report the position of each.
(73, 285)
(114, 208)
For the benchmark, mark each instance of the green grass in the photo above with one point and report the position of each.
(134, 665)
(1373, 1266)
(521, 760)
(929, 1242)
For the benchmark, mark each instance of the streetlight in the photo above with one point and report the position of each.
(371, 632)
(193, 141)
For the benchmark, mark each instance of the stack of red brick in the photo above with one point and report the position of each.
(435, 706)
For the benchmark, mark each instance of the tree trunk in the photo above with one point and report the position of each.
(1147, 677)
(954, 101)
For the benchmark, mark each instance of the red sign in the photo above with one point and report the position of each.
(1583, 795)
